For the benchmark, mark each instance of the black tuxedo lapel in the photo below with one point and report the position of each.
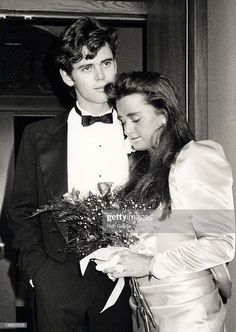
(52, 150)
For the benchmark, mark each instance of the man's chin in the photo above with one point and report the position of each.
(101, 100)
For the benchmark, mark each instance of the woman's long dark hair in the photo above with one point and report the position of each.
(149, 180)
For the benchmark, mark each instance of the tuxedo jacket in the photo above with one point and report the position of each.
(41, 174)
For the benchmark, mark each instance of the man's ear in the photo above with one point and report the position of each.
(67, 79)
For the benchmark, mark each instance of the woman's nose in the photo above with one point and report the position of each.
(128, 128)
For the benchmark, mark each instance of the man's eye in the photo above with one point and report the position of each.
(107, 63)
(86, 69)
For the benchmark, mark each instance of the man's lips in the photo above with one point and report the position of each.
(100, 88)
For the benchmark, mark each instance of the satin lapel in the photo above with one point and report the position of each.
(52, 149)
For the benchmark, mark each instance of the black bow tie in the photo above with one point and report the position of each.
(88, 120)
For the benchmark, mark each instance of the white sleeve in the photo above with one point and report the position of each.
(204, 183)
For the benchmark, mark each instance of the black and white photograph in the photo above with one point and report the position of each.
(117, 166)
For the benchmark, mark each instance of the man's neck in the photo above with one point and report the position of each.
(93, 108)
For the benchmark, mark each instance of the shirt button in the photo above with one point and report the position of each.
(59, 251)
(100, 146)
(100, 175)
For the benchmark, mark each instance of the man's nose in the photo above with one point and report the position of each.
(99, 74)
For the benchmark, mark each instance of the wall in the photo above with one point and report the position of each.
(166, 42)
(222, 97)
(7, 296)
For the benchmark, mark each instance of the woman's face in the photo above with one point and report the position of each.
(141, 120)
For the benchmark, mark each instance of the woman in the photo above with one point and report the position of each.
(193, 226)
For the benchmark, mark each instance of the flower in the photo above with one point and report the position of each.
(72, 197)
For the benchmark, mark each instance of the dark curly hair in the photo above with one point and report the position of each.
(86, 31)
(149, 180)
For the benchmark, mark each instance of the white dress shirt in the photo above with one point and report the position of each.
(95, 154)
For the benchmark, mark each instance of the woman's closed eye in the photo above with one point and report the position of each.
(135, 119)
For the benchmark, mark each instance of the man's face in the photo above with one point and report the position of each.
(89, 76)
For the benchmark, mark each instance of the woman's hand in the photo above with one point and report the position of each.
(126, 263)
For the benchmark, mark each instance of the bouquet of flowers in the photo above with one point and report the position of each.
(81, 222)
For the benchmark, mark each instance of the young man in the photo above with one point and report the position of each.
(77, 149)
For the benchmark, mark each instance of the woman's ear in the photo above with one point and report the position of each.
(67, 79)
(161, 112)
(164, 116)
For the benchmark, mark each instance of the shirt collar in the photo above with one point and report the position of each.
(83, 112)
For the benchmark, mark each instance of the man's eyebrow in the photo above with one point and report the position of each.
(92, 63)
(107, 59)
(84, 65)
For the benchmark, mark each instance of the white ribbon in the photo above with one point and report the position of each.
(103, 255)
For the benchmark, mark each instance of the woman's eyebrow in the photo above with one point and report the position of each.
(132, 113)
(129, 115)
